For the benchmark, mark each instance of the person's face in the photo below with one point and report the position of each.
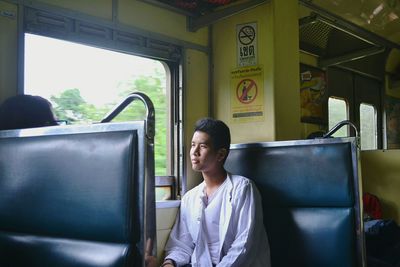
(203, 155)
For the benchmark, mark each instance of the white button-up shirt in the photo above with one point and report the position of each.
(242, 237)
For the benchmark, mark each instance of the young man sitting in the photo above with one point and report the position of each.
(220, 221)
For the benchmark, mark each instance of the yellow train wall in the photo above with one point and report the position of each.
(8, 51)
(278, 55)
(381, 176)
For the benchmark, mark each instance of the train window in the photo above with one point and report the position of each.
(337, 112)
(84, 83)
(368, 127)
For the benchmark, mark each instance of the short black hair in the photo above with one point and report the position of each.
(26, 111)
(217, 130)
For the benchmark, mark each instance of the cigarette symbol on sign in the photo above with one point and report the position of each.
(246, 91)
(247, 35)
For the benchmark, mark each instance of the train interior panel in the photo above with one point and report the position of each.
(308, 88)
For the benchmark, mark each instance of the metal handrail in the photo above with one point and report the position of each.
(338, 126)
(150, 115)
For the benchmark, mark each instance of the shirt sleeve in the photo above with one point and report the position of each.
(241, 252)
(180, 245)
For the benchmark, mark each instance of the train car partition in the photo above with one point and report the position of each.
(77, 196)
(311, 199)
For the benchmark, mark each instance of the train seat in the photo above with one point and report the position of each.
(311, 199)
(73, 196)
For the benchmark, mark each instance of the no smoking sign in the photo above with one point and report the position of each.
(247, 35)
(247, 44)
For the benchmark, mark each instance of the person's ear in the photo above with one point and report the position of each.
(222, 152)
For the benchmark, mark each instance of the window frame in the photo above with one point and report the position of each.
(356, 88)
(375, 125)
(92, 32)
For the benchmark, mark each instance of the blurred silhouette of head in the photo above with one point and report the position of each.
(26, 111)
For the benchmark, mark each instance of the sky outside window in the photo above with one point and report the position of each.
(84, 83)
(52, 66)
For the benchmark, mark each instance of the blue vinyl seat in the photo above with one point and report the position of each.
(311, 199)
(75, 196)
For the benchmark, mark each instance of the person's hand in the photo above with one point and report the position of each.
(149, 259)
(168, 263)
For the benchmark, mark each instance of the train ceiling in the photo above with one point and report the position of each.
(381, 17)
(193, 7)
(196, 7)
(339, 32)
(202, 13)
(357, 35)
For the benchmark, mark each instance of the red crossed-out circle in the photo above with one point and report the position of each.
(243, 90)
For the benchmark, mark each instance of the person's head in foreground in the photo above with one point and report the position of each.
(26, 111)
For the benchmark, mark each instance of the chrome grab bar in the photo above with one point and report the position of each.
(338, 126)
(150, 115)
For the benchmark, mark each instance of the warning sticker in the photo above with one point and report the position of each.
(246, 91)
(247, 98)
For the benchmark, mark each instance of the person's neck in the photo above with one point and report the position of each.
(214, 179)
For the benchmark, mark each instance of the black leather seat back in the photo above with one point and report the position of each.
(311, 199)
(73, 196)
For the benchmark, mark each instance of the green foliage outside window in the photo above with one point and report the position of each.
(71, 106)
